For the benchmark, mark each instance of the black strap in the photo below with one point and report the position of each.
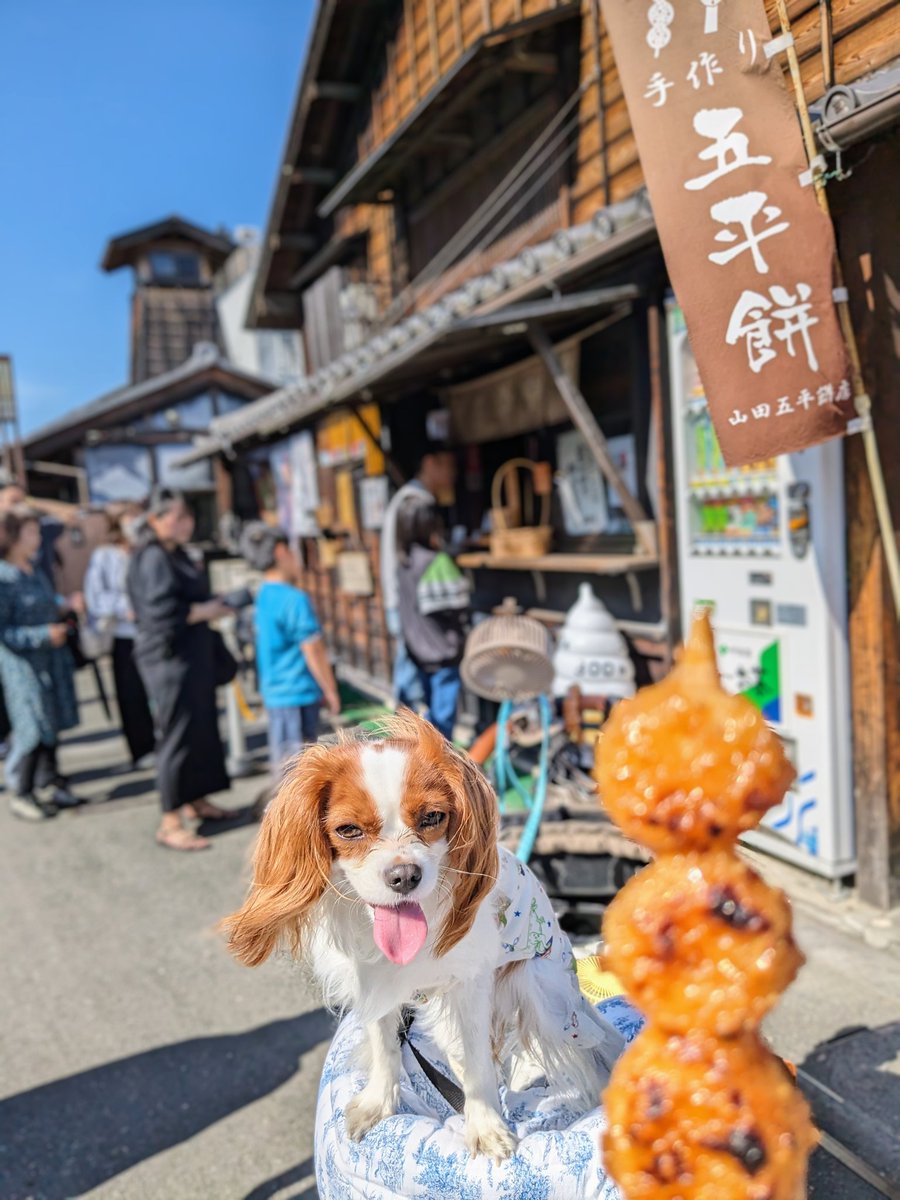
(452, 1092)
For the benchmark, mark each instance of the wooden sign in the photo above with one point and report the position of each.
(374, 495)
(355, 573)
(748, 250)
(516, 399)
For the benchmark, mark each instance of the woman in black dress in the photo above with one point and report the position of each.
(175, 653)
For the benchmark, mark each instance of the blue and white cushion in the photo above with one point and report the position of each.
(420, 1153)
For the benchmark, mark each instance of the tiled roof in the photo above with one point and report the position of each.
(205, 357)
(534, 267)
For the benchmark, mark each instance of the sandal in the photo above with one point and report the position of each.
(181, 839)
(202, 810)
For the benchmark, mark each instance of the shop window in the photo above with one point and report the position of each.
(118, 472)
(174, 267)
(228, 402)
(196, 476)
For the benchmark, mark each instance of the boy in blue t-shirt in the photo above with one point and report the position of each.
(292, 661)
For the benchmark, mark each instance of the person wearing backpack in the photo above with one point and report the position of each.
(433, 604)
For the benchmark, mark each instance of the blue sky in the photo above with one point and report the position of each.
(113, 115)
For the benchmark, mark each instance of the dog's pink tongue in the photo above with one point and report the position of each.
(400, 931)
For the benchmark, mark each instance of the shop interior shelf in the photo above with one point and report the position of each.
(581, 564)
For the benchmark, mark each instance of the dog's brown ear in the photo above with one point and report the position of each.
(472, 838)
(291, 863)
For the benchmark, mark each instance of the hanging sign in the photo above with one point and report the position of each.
(748, 249)
(374, 495)
(304, 485)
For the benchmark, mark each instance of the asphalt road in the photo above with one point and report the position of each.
(138, 1059)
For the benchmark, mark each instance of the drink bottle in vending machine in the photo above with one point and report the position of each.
(763, 547)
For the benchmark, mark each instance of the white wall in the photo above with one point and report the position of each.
(274, 354)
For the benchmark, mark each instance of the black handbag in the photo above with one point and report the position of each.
(73, 641)
(224, 663)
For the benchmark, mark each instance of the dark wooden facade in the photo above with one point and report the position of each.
(410, 112)
(412, 121)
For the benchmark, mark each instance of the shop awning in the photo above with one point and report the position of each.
(461, 338)
(491, 311)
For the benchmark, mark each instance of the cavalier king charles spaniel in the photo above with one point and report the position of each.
(378, 863)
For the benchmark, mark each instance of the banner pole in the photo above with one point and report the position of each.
(861, 398)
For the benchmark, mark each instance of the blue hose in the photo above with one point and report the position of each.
(532, 825)
(507, 778)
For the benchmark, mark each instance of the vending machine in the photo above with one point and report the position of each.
(763, 547)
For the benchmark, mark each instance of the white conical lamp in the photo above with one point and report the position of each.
(592, 652)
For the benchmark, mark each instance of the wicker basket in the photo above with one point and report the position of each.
(508, 658)
(509, 537)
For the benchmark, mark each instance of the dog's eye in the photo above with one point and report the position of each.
(432, 820)
(350, 833)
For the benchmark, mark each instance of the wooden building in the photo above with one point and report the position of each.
(121, 444)
(459, 227)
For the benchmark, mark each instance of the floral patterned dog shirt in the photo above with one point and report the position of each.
(528, 930)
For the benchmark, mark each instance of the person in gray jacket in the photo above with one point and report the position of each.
(433, 603)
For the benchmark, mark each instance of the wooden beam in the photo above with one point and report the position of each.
(457, 26)
(397, 476)
(450, 137)
(321, 176)
(433, 40)
(601, 102)
(868, 227)
(348, 93)
(584, 420)
(390, 70)
(410, 26)
(538, 111)
(486, 13)
(293, 240)
(532, 62)
(224, 485)
(280, 304)
(660, 418)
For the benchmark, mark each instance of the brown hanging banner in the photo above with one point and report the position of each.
(748, 249)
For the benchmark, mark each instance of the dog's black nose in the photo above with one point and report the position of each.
(403, 877)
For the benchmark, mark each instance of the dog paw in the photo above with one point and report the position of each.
(368, 1108)
(487, 1133)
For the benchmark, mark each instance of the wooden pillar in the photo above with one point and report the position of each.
(661, 423)
(224, 486)
(433, 40)
(409, 22)
(457, 26)
(868, 228)
(585, 422)
(601, 104)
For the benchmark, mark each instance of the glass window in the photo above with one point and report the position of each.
(117, 472)
(227, 402)
(194, 413)
(194, 477)
(173, 266)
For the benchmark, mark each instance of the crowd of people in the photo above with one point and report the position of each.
(146, 603)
